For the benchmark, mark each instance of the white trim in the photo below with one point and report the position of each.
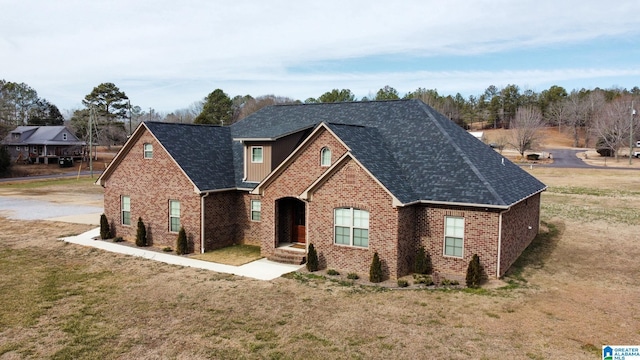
(122, 210)
(144, 150)
(202, 220)
(171, 217)
(323, 151)
(251, 211)
(351, 227)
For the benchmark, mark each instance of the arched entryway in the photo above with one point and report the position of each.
(291, 224)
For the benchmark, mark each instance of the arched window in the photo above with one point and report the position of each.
(325, 157)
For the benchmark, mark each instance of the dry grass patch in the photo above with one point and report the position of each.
(231, 255)
(576, 289)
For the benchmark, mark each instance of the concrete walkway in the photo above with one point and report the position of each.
(262, 269)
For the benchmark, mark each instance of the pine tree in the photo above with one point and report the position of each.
(375, 272)
(181, 244)
(422, 264)
(105, 232)
(312, 259)
(474, 272)
(141, 234)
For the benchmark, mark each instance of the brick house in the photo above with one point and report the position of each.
(350, 178)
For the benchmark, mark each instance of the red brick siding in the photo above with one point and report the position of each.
(224, 219)
(250, 232)
(368, 195)
(480, 237)
(300, 172)
(151, 183)
(516, 235)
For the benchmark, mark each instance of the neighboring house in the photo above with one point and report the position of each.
(42, 144)
(351, 178)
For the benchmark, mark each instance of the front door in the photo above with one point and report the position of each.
(291, 221)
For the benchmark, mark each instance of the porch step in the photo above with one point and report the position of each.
(288, 256)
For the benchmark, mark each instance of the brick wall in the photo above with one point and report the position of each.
(151, 183)
(480, 237)
(516, 235)
(298, 174)
(225, 218)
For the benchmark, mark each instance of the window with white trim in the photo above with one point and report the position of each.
(148, 151)
(325, 157)
(256, 154)
(453, 236)
(256, 209)
(174, 215)
(351, 227)
(125, 208)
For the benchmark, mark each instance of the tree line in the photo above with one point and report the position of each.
(602, 114)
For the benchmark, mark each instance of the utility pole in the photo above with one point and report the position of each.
(633, 112)
(91, 114)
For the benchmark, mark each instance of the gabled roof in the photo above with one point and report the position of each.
(203, 152)
(42, 135)
(416, 152)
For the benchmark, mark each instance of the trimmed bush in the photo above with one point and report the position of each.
(105, 232)
(403, 283)
(375, 272)
(141, 234)
(182, 246)
(312, 259)
(422, 264)
(474, 272)
(332, 272)
(353, 276)
(118, 239)
(427, 280)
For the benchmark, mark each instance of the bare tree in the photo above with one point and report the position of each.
(612, 126)
(526, 126)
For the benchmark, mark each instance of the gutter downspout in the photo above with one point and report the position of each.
(202, 222)
(500, 242)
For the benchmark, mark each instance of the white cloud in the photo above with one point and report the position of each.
(172, 53)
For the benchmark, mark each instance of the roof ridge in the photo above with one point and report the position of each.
(464, 156)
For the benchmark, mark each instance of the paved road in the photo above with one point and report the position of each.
(566, 158)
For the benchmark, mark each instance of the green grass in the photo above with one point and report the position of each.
(232, 255)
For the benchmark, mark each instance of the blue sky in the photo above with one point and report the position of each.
(167, 54)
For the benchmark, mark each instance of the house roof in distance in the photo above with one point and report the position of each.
(42, 135)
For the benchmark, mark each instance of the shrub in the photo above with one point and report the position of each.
(403, 283)
(181, 243)
(375, 272)
(423, 279)
(312, 259)
(118, 239)
(105, 232)
(353, 276)
(141, 234)
(332, 272)
(167, 249)
(422, 264)
(474, 272)
(447, 282)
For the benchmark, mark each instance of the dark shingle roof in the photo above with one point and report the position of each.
(202, 151)
(416, 152)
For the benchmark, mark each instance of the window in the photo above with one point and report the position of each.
(325, 157)
(453, 236)
(125, 206)
(174, 215)
(256, 154)
(64, 136)
(148, 151)
(256, 207)
(18, 148)
(351, 227)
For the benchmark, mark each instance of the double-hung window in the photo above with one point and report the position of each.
(125, 202)
(453, 236)
(351, 227)
(174, 215)
(148, 151)
(256, 209)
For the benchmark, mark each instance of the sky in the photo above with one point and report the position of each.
(166, 55)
